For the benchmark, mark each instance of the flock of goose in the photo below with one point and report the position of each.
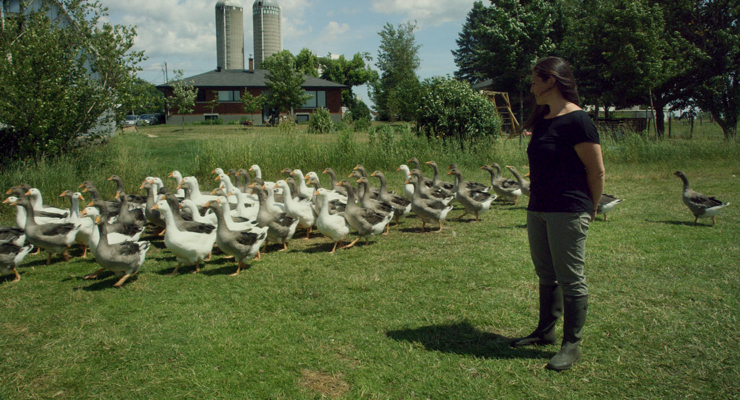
(243, 216)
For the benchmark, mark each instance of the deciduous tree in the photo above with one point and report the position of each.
(284, 82)
(398, 60)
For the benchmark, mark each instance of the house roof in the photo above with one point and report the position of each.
(246, 78)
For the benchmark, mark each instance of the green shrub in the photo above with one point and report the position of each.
(361, 124)
(359, 110)
(320, 121)
(287, 126)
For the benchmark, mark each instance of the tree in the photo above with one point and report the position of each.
(146, 98)
(352, 73)
(284, 82)
(501, 42)
(183, 97)
(451, 108)
(398, 60)
(59, 78)
(252, 104)
(307, 63)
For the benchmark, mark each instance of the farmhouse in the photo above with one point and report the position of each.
(229, 85)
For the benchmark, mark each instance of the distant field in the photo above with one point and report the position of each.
(410, 315)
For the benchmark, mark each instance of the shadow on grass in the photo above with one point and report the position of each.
(225, 270)
(463, 338)
(684, 223)
(9, 278)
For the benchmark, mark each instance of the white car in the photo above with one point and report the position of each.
(131, 120)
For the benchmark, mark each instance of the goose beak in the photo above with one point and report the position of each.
(156, 207)
(6, 201)
(218, 178)
(28, 193)
(83, 213)
(527, 174)
(373, 174)
(449, 173)
(359, 180)
(429, 162)
(306, 178)
(110, 178)
(218, 200)
(264, 186)
(292, 173)
(349, 176)
(79, 196)
(355, 168)
(509, 166)
(15, 203)
(316, 193)
(82, 185)
(179, 187)
(251, 185)
(97, 219)
(340, 182)
(9, 191)
(237, 173)
(84, 190)
(171, 175)
(326, 171)
(92, 204)
(230, 193)
(142, 186)
(406, 182)
(251, 168)
(61, 195)
(398, 169)
(213, 191)
(213, 172)
(118, 195)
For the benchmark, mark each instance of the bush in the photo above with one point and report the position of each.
(361, 124)
(320, 121)
(450, 108)
(358, 110)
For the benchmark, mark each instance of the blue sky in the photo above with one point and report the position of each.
(182, 32)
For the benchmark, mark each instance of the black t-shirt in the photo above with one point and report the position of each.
(557, 175)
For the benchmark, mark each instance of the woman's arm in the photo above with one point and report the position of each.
(590, 155)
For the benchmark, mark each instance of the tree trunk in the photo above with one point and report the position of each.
(729, 129)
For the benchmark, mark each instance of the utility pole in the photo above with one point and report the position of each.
(166, 79)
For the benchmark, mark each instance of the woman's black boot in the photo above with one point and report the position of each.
(575, 318)
(551, 308)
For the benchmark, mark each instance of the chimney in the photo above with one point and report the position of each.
(251, 63)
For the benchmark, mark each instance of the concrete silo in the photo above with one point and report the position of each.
(268, 39)
(229, 34)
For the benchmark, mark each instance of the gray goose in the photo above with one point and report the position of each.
(9, 234)
(429, 193)
(116, 226)
(281, 227)
(427, 209)
(340, 189)
(401, 204)
(701, 205)
(415, 164)
(121, 192)
(473, 201)
(130, 215)
(505, 188)
(523, 183)
(123, 259)
(54, 238)
(378, 205)
(243, 244)
(374, 192)
(114, 207)
(153, 215)
(607, 203)
(446, 187)
(11, 255)
(471, 185)
(365, 221)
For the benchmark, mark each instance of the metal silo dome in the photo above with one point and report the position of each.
(229, 3)
(265, 3)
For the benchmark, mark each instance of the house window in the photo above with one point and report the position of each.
(201, 96)
(318, 99)
(228, 95)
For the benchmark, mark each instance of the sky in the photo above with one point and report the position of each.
(182, 33)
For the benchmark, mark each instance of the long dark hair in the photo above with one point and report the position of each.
(559, 69)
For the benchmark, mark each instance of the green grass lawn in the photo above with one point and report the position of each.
(410, 315)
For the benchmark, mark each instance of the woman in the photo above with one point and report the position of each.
(567, 178)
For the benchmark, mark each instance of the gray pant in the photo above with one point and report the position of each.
(557, 244)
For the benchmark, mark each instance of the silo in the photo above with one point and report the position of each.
(229, 34)
(267, 37)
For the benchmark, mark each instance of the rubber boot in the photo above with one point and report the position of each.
(551, 308)
(575, 318)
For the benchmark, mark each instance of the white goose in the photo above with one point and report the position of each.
(86, 224)
(209, 218)
(180, 193)
(194, 188)
(333, 226)
(188, 247)
(90, 213)
(408, 189)
(304, 191)
(301, 209)
(244, 208)
(38, 204)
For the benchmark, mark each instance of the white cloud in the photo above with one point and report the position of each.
(333, 30)
(426, 12)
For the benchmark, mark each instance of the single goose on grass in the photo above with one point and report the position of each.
(471, 185)
(427, 209)
(86, 225)
(123, 259)
(334, 185)
(701, 205)
(189, 247)
(378, 205)
(281, 226)
(12, 255)
(408, 189)
(447, 187)
(301, 209)
(365, 221)
(506, 189)
(90, 213)
(333, 226)
(133, 199)
(473, 201)
(38, 205)
(243, 244)
(523, 183)
(607, 203)
(54, 238)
